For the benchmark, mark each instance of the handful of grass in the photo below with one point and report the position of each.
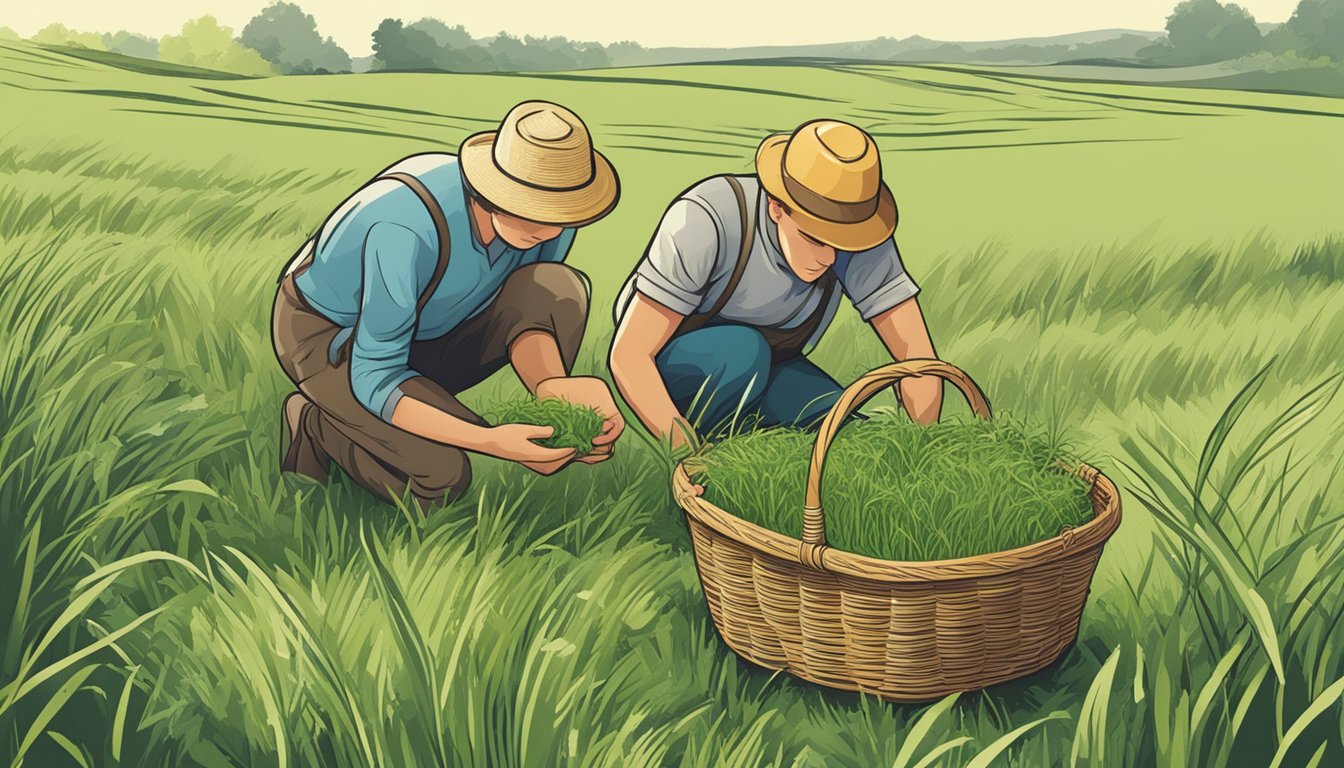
(898, 491)
(575, 425)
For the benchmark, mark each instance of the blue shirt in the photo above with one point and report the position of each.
(376, 254)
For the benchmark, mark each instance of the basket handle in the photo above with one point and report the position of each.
(855, 395)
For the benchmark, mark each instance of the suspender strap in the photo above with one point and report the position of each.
(748, 239)
(746, 216)
(440, 226)
(784, 343)
(301, 260)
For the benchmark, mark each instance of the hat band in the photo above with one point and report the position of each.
(826, 208)
(592, 173)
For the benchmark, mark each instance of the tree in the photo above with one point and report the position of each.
(59, 34)
(625, 52)
(396, 46)
(288, 38)
(509, 52)
(1316, 28)
(131, 44)
(1203, 31)
(452, 38)
(204, 43)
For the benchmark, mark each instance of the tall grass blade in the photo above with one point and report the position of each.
(1001, 744)
(915, 736)
(1089, 738)
(49, 710)
(1317, 708)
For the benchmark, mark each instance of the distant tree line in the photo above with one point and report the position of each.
(1206, 31)
(283, 39)
(432, 44)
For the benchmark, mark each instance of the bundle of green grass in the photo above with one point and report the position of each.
(897, 491)
(575, 425)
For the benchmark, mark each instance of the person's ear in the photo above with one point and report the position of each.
(776, 210)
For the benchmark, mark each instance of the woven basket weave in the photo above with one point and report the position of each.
(906, 631)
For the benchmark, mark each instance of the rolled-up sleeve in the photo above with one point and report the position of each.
(875, 280)
(387, 316)
(676, 270)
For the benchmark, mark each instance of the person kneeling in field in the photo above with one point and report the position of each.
(740, 279)
(426, 281)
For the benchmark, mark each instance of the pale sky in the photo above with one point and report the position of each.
(712, 23)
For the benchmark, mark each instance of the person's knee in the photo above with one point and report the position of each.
(743, 360)
(723, 366)
(561, 290)
(442, 480)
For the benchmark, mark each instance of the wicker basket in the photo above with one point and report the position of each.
(906, 631)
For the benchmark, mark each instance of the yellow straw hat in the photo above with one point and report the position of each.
(830, 174)
(541, 165)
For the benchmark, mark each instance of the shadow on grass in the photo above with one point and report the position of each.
(1027, 144)
(1124, 108)
(402, 110)
(33, 74)
(908, 113)
(1161, 100)
(746, 133)
(685, 140)
(143, 66)
(670, 151)
(659, 81)
(960, 132)
(283, 123)
(146, 96)
(33, 54)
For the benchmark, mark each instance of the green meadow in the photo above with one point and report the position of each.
(1156, 273)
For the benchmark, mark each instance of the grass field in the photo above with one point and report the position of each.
(1117, 261)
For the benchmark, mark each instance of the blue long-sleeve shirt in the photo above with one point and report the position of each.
(376, 254)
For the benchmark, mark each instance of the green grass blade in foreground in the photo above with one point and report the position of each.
(414, 650)
(989, 754)
(1318, 707)
(52, 707)
(921, 728)
(1184, 512)
(1089, 739)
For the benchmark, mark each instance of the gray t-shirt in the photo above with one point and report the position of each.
(692, 255)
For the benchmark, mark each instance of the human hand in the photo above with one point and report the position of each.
(515, 442)
(594, 393)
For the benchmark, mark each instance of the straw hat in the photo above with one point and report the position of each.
(540, 165)
(829, 173)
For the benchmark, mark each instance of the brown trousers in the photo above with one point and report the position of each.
(388, 461)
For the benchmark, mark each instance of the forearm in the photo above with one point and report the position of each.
(535, 356)
(922, 397)
(422, 419)
(641, 385)
(905, 335)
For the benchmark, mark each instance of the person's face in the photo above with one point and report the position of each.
(807, 257)
(521, 233)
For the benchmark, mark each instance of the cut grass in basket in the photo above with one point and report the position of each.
(575, 425)
(897, 491)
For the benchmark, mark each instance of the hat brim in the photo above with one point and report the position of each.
(571, 207)
(850, 237)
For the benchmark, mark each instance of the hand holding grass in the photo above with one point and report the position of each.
(558, 426)
(593, 393)
(519, 443)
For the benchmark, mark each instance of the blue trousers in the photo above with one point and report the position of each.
(723, 376)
